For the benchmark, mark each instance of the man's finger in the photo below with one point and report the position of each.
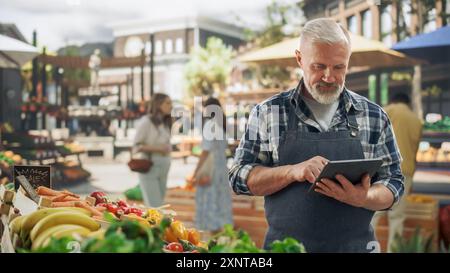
(324, 192)
(366, 181)
(316, 171)
(334, 188)
(323, 187)
(346, 184)
(309, 176)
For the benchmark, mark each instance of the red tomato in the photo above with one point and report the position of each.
(175, 247)
(122, 203)
(136, 211)
(112, 208)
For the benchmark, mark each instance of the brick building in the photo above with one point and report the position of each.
(391, 22)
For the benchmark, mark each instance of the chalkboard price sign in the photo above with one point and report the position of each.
(36, 175)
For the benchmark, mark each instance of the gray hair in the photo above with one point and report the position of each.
(325, 30)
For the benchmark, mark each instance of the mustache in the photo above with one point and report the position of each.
(325, 84)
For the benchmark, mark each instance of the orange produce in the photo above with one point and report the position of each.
(169, 236)
(193, 236)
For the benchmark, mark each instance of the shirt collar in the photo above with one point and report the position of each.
(346, 97)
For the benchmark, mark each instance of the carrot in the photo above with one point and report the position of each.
(59, 198)
(99, 208)
(63, 204)
(42, 190)
(70, 198)
(71, 194)
(89, 208)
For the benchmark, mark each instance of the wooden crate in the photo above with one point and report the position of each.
(422, 215)
(248, 213)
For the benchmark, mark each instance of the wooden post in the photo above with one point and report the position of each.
(132, 86)
(44, 87)
(142, 74)
(7, 199)
(33, 116)
(152, 63)
(119, 101)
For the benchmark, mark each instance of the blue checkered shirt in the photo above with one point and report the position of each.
(268, 121)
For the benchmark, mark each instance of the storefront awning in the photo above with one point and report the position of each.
(433, 46)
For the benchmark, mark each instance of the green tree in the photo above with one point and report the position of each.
(281, 21)
(209, 68)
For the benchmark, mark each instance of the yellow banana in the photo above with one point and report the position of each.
(99, 234)
(38, 215)
(60, 218)
(57, 232)
(16, 224)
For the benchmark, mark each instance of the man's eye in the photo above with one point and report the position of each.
(318, 67)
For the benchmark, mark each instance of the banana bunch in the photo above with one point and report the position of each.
(36, 229)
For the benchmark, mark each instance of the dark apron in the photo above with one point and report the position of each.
(321, 223)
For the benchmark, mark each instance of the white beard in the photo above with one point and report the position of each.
(327, 97)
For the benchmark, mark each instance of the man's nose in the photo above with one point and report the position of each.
(328, 76)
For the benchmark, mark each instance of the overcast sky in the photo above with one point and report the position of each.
(62, 22)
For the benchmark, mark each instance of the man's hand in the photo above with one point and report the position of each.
(346, 192)
(307, 170)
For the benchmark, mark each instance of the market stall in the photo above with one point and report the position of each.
(64, 222)
(39, 148)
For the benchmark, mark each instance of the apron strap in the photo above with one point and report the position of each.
(352, 124)
(292, 118)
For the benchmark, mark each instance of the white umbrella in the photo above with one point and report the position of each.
(15, 53)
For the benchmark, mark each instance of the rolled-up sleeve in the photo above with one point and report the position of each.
(252, 151)
(390, 174)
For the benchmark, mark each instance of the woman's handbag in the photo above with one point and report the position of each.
(204, 174)
(139, 165)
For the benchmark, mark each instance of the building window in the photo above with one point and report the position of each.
(179, 45)
(148, 48)
(447, 11)
(169, 46)
(367, 24)
(351, 3)
(386, 25)
(133, 46)
(351, 23)
(333, 8)
(404, 20)
(431, 21)
(158, 47)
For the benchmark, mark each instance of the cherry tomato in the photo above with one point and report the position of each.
(136, 211)
(112, 208)
(122, 203)
(175, 247)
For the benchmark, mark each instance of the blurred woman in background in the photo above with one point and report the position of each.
(152, 139)
(213, 194)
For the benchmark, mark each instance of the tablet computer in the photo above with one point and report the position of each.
(353, 170)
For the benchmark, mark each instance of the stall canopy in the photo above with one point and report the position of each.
(15, 53)
(433, 46)
(365, 53)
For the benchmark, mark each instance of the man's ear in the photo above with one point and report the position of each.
(298, 58)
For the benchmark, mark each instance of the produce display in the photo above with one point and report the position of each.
(70, 220)
(432, 154)
(9, 158)
(442, 125)
(70, 148)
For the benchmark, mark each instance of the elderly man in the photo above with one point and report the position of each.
(291, 136)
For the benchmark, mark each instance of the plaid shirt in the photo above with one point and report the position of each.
(268, 121)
